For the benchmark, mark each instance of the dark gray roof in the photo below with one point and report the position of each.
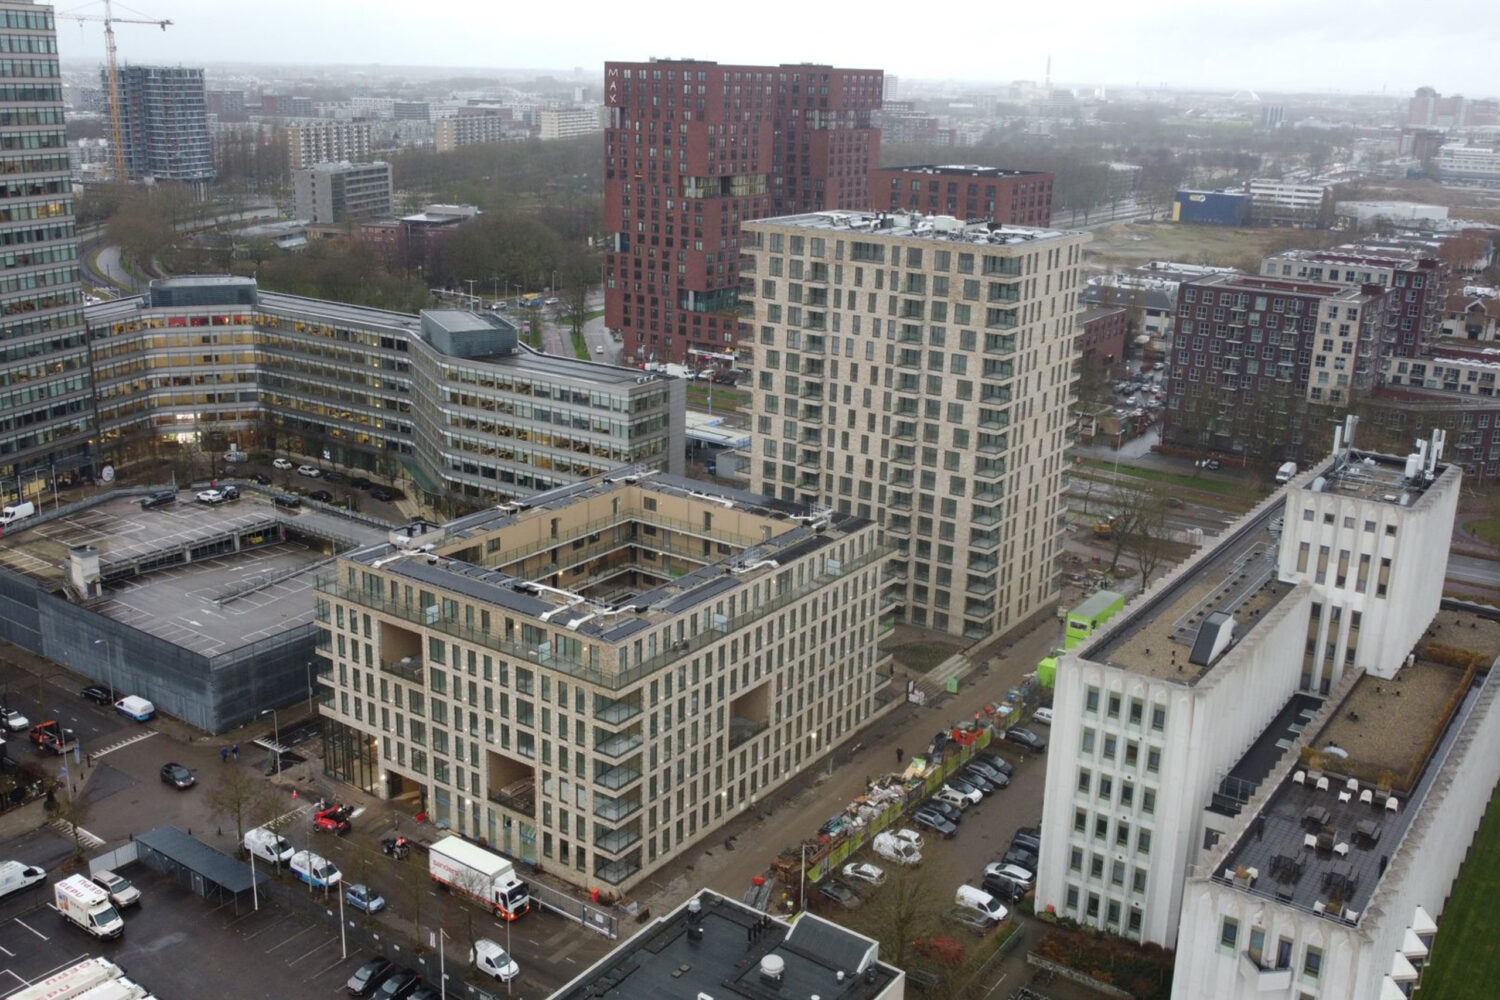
(815, 936)
(473, 581)
(193, 854)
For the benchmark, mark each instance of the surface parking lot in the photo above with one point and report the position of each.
(183, 947)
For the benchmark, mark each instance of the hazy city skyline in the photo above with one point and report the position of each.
(1275, 45)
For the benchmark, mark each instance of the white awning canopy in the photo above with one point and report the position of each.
(1401, 969)
(1412, 946)
(1390, 991)
(1422, 923)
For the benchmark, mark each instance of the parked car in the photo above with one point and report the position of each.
(993, 773)
(1029, 837)
(995, 779)
(98, 695)
(911, 836)
(121, 892)
(360, 483)
(382, 494)
(1016, 873)
(864, 872)
(1003, 888)
(210, 497)
(177, 776)
(1021, 857)
(949, 795)
(368, 976)
(1002, 765)
(1042, 716)
(972, 919)
(964, 784)
(1026, 738)
(281, 463)
(158, 499)
(321, 496)
(362, 897)
(333, 819)
(261, 478)
(934, 821)
(311, 471)
(948, 809)
(16, 722)
(839, 893)
(334, 476)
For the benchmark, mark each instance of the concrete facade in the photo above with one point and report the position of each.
(596, 677)
(918, 370)
(333, 193)
(567, 123)
(164, 123)
(453, 131)
(326, 141)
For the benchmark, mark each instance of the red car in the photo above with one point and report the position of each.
(334, 819)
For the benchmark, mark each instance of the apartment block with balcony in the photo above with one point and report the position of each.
(918, 370)
(333, 193)
(46, 396)
(164, 123)
(447, 400)
(325, 140)
(597, 677)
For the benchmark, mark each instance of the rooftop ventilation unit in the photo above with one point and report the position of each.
(772, 968)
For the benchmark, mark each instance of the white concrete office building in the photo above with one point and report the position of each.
(1171, 718)
(918, 369)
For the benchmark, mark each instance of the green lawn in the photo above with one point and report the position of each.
(1487, 530)
(1466, 955)
(1205, 483)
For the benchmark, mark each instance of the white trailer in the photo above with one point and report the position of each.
(482, 874)
(68, 983)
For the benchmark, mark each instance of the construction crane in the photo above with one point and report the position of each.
(112, 76)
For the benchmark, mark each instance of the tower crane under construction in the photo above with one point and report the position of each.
(112, 76)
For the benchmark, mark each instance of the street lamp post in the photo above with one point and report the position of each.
(343, 938)
(309, 687)
(276, 722)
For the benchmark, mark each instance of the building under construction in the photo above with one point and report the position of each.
(164, 123)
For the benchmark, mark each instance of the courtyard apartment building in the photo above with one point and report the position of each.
(45, 395)
(1415, 313)
(448, 401)
(1180, 727)
(593, 678)
(918, 370)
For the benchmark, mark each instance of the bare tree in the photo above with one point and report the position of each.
(234, 796)
(1149, 538)
(68, 805)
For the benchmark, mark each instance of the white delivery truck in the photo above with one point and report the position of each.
(1286, 472)
(135, 707)
(15, 876)
(72, 981)
(88, 906)
(316, 870)
(16, 512)
(116, 989)
(482, 874)
(268, 845)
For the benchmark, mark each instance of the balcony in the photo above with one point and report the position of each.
(614, 810)
(616, 872)
(813, 391)
(979, 564)
(984, 541)
(1001, 267)
(899, 501)
(617, 744)
(617, 778)
(408, 668)
(614, 711)
(980, 586)
(989, 468)
(1265, 978)
(615, 841)
(811, 436)
(809, 481)
(987, 515)
(894, 572)
(898, 525)
(742, 731)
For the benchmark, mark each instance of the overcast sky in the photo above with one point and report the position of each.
(1366, 46)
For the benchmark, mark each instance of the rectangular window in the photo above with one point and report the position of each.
(1229, 934)
(1091, 700)
(1312, 964)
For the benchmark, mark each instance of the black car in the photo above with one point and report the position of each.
(934, 821)
(261, 477)
(1020, 857)
(1000, 887)
(839, 893)
(1029, 837)
(382, 494)
(322, 496)
(426, 992)
(995, 775)
(980, 780)
(229, 492)
(330, 476)
(360, 483)
(398, 985)
(1027, 739)
(1002, 765)
(369, 976)
(964, 783)
(99, 695)
(948, 809)
(177, 776)
(158, 499)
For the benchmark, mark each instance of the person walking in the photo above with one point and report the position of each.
(224, 754)
(235, 751)
(899, 754)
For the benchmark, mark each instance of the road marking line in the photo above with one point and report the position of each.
(313, 951)
(355, 813)
(66, 829)
(328, 968)
(32, 929)
(8, 952)
(123, 743)
(290, 939)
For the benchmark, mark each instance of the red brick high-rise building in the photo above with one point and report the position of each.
(691, 150)
(1009, 197)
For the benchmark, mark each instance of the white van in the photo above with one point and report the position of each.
(14, 876)
(977, 899)
(16, 512)
(491, 959)
(316, 870)
(268, 845)
(133, 707)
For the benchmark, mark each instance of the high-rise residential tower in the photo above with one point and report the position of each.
(164, 122)
(693, 149)
(917, 370)
(45, 395)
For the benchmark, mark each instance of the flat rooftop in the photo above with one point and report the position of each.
(1392, 728)
(914, 225)
(1288, 286)
(1370, 476)
(210, 605)
(723, 951)
(1238, 577)
(964, 170)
